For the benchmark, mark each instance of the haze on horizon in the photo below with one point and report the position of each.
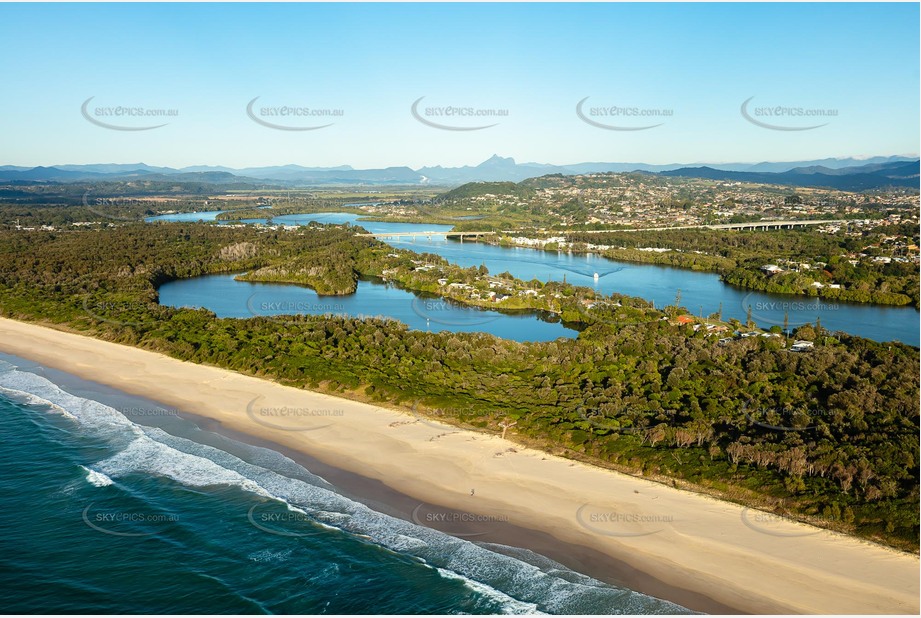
(688, 69)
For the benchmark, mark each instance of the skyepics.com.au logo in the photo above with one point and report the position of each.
(116, 208)
(791, 314)
(127, 523)
(292, 418)
(139, 414)
(622, 117)
(290, 522)
(784, 526)
(431, 419)
(262, 304)
(612, 312)
(456, 523)
(612, 418)
(461, 414)
(119, 311)
(292, 117)
(125, 117)
(144, 412)
(784, 419)
(456, 117)
(785, 117)
(620, 523)
(448, 313)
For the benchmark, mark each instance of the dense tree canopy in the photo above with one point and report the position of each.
(828, 434)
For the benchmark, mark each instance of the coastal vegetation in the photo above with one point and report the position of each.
(828, 436)
(290, 206)
(872, 258)
(871, 265)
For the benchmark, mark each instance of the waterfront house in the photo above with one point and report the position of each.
(801, 346)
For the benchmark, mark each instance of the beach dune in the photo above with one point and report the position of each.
(741, 558)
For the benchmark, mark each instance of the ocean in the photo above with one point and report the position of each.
(111, 504)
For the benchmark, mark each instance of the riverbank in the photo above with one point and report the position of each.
(737, 557)
(729, 270)
(701, 291)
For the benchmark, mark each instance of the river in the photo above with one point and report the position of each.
(702, 293)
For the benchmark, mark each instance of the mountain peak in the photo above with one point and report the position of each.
(497, 160)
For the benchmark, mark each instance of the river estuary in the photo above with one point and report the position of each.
(702, 293)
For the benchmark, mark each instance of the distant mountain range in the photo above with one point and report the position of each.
(498, 168)
(846, 173)
(856, 178)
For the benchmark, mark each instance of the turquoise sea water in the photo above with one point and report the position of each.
(127, 507)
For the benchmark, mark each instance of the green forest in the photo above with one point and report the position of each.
(827, 436)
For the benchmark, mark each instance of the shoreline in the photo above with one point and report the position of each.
(383, 499)
(797, 296)
(709, 550)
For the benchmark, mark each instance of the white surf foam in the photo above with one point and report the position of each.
(265, 555)
(509, 604)
(146, 456)
(519, 586)
(97, 479)
(34, 400)
(544, 585)
(38, 390)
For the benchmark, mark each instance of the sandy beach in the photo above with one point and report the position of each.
(740, 558)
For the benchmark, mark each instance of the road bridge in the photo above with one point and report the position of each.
(427, 234)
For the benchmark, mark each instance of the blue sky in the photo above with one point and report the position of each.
(371, 62)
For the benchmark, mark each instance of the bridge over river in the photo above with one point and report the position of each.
(751, 225)
(430, 234)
